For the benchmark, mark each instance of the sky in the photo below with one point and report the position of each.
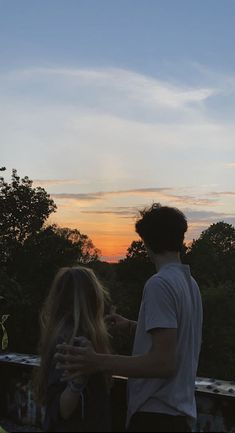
(114, 105)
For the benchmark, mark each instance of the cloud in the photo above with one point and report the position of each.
(194, 216)
(119, 211)
(116, 82)
(223, 194)
(55, 182)
(158, 194)
(102, 194)
(230, 165)
(128, 191)
(79, 197)
(110, 123)
(202, 215)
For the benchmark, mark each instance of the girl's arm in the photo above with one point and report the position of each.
(69, 400)
(73, 393)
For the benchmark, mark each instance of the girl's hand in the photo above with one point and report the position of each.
(76, 361)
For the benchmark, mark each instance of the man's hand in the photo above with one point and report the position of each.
(76, 361)
(118, 324)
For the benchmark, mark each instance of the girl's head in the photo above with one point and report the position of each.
(75, 306)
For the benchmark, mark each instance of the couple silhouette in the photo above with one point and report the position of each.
(77, 364)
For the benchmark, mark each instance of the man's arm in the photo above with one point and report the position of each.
(132, 327)
(160, 362)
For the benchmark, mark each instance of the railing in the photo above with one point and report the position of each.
(215, 399)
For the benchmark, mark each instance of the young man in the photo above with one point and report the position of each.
(162, 370)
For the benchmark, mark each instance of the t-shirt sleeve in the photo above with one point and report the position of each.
(160, 306)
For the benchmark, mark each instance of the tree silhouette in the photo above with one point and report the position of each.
(218, 345)
(23, 211)
(31, 252)
(212, 256)
(137, 250)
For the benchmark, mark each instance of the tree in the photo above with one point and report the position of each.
(37, 261)
(138, 251)
(218, 345)
(12, 306)
(31, 252)
(33, 267)
(87, 251)
(212, 256)
(136, 265)
(23, 211)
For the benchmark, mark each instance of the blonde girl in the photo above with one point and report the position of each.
(73, 309)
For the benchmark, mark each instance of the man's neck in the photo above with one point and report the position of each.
(161, 260)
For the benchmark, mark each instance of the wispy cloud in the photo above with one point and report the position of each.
(56, 182)
(194, 216)
(79, 197)
(223, 194)
(158, 194)
(139, 88)
(201, 215)
(119, 211)
(230, 165)
(102, 194)
(138, 125)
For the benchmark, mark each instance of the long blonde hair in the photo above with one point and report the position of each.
(75, 306)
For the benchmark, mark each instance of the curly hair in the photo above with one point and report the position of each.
(162, 228)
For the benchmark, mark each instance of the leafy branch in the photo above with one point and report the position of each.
(4, 343)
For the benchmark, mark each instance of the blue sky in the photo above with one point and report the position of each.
(133, 34)
(112, 105)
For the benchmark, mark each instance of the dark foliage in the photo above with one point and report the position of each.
(30, 255)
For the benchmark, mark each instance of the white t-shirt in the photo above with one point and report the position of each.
(171, 300)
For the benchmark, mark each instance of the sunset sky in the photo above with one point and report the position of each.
(112, 105)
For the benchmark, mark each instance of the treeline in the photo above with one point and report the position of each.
(31, 251)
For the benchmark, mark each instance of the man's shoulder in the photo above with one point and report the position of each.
(162, 278)
(153, 280)
(159, 292)
(170, 279)
(157, 284)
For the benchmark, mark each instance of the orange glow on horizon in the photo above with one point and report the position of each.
(114, 239)
(111, 235)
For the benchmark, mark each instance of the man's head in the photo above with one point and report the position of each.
(162, 228)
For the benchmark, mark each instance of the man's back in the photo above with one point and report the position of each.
(171, 300)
